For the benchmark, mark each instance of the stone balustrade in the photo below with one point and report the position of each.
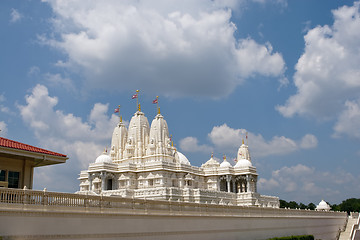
(144, 206)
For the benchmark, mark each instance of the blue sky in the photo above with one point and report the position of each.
(286, 72)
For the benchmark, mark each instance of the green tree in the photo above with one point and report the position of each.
(348, 205)
(302, 206)
(311, 206)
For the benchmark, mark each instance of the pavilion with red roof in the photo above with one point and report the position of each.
(17, 162)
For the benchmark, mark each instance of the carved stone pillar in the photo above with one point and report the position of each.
(248, 184)
(90, 178)
(103, 181)
(228, 179)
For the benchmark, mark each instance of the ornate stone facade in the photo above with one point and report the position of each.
(143, 163)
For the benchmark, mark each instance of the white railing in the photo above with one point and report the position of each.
(354, 227)
(17, 197)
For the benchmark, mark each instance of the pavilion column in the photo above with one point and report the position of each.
(90, 181)
(248, 183)
(228, 183)
(103, 182)
(181, 183)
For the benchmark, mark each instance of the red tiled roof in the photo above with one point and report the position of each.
(22, 146)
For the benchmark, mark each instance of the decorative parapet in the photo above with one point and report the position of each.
(85, 202)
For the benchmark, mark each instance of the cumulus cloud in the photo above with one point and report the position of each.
(81, 140)
(191, 144)
(308, 141)
(305, 183)
(348, 122)
(56, 80)
(179, 49)
(225, 137)
(327, 74)
(3, 129)
(15, 16)
(3, 108)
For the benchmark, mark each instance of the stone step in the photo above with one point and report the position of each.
(346, 234)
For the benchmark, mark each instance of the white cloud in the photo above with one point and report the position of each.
(349, 120)
(281, 2)
(305, 183)
(81, 140)
(3, 108)
(225, 137)
(308, 141)
(327, 74)
(56, 80)
(179, 49)
(15, 16)
(3, 129)
(190, 144)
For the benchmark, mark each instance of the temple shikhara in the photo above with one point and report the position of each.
(143, 163)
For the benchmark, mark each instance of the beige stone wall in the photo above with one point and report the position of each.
(72, 224)
(24, 166)
(48, 215)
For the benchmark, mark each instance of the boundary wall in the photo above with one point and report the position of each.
(30, 214)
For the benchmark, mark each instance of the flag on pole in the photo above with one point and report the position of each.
(134, 96)
(116, 110)
(155, 101)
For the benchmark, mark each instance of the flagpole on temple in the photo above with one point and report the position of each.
(120, 115)
(157, 104)
(156, 100)
(137, 100)
(117, 110)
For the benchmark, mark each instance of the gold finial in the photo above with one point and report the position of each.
(156, 100)
(119, 114)
(224, 157)
(212, 154)
(136, 95)
(243, 141)
(157, 103)
(172, 142)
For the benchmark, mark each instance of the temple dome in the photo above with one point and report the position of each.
(243, 152)
(211, 163)
(181, 158)
(103, 158)
(118, 141)
(138, 135)
(323, 206)
(225, 164)
(159, 141)
(243, 163)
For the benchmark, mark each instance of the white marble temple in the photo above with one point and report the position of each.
(143, 163)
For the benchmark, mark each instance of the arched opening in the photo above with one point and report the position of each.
(241, 185)
(109, 185)
(223, 185)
